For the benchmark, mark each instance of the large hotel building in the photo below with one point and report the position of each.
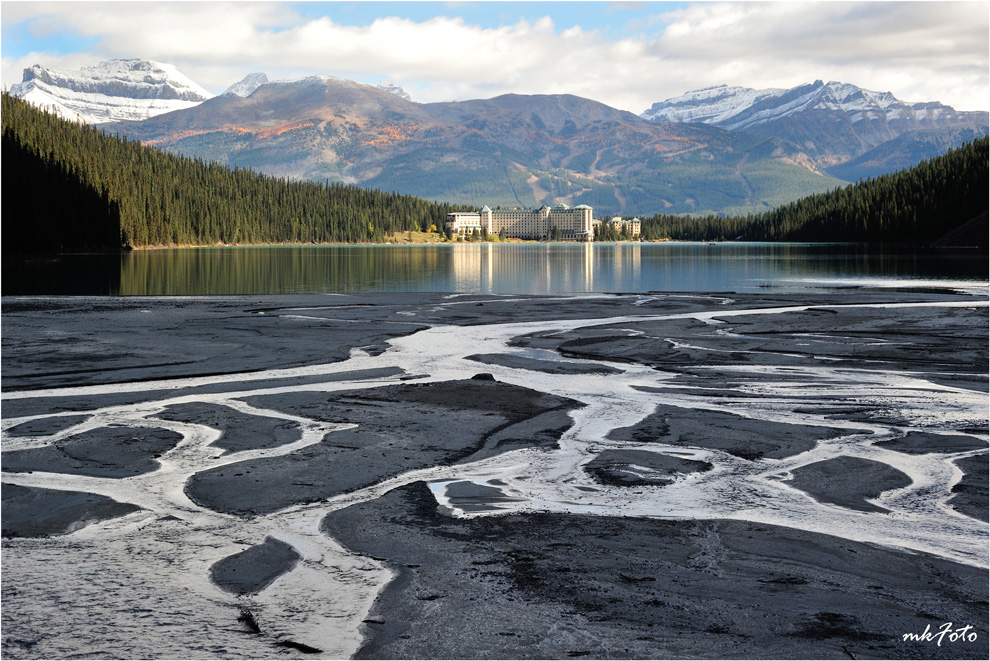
(573, 224)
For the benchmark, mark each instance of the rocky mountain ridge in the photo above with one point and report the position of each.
(514, 150)
(114, 90)
(839, 125)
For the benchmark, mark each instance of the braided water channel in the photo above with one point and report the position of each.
(139, 585)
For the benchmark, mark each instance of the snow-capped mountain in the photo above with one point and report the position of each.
(742, 108)
(711, 105)
(247, 85)
(111, 91)
(391, 87)
(833, 122)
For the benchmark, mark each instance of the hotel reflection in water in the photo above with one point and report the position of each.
(488, 268)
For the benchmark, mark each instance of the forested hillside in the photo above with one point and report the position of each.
(70, 187)
(918, 205)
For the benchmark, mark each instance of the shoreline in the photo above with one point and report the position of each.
(397, 241)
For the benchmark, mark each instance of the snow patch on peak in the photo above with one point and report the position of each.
(392, 88)
(709, 105)
(247, 85)
(316, 79)
(322, 80)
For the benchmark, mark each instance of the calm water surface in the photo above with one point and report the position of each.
(495, 269)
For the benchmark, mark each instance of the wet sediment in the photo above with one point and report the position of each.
(642, 476)
(578, 586)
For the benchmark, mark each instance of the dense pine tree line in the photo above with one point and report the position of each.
(68, 186)
(47, 208)
(918, 205)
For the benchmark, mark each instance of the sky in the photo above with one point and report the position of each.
(628, 55)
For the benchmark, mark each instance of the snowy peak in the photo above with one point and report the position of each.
(711, 105)
(857, 103)
(742, 108)
(113, 90)
(834, 123)
(247, 85)
(392, 88)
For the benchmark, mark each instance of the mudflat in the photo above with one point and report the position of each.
(579, 586)
(431, 476)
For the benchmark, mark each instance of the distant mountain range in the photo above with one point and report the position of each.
(720, 150)
(512, 150)
(848, 131)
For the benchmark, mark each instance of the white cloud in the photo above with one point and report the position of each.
(917, 50)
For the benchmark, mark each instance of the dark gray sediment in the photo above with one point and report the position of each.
(26, 406)
(45, 426)
(539, 365)
(35, 512)
(240, 431)
(626, 468)
(101, 452)
(970, 494)
(90, 340)
(925, 443)
(848, 481)
(575, 586)
(742, 437)
(254, 568)
(400, 428)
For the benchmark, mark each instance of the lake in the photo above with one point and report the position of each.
(516, 268)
